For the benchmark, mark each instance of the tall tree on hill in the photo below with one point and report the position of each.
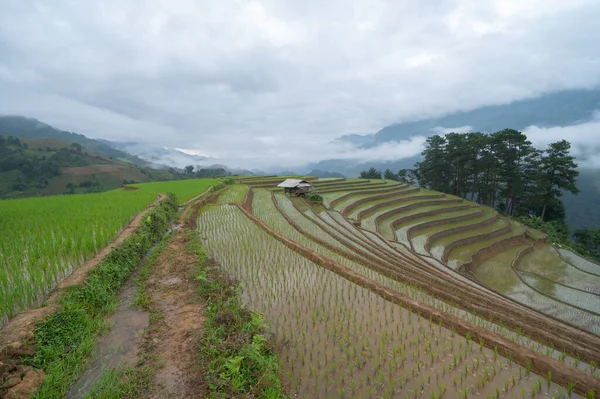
(476, 144)
(512, 150)
(389, 175)
(456, 154)
(558, 173)
(433, 170)
(503, 170)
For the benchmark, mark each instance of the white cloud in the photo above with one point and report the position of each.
(584, 139)
(446, 130)
(230, 78)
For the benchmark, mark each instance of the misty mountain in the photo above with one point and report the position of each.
(162, 157)
(30, 128)
(350, 168)
(554, 109)
(563, 108)
(324, 173)
(159, 155)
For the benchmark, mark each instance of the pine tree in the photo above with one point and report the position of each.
(558, 173)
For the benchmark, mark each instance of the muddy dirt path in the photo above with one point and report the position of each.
(120, 346)
(172, 337)
(169, 337)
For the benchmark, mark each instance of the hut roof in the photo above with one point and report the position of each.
(291, 183)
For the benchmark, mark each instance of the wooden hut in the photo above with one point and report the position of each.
(296, 187)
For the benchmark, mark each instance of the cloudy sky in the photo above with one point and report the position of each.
(254, 81)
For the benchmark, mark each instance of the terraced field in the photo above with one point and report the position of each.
(387, 290)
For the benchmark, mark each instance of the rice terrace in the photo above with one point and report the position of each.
(362, 288)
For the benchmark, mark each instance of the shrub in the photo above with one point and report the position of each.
(315, 197)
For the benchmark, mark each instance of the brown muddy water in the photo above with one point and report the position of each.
(339, 340)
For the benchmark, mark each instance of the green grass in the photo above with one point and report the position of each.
(64, 340)
(133, 381)
(43, 239)
(183, 189)
(235, 193)
(125, 382)
(239, 361)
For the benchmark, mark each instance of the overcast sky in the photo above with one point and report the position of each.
(276, 80)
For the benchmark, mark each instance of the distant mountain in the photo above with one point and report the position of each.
(323, 173)
(34, 167)
(554, 109)
(158, 155)
(349, 168)
(29, 128)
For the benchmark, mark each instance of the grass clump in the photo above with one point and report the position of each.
(222, 184)
(64, 339)
(238, 358)
(315, 197)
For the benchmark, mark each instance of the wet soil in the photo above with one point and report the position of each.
(119, 347)
(541, 364)
(172, 337)
(340, 340)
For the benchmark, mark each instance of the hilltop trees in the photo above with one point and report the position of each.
(372, 173)
(501, 170)
(558, 173)
(389, 175)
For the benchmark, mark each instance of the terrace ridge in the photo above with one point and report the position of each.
(539, 363)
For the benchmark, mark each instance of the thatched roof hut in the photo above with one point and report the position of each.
(295, 186)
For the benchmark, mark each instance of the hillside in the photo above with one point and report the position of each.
(26, 128)
(457, 238)
(436, 254)
(438, 294)
(46, 166)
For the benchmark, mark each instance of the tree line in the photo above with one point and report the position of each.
(502, 170)
(505, 171)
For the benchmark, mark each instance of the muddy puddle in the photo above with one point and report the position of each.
(119, 347)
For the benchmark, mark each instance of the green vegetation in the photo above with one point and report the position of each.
(133, 381)
(65, 338)
(239, 360)
(333, 332)
(123, 382)
(183, 189)
(587, 241)
(45, 239)
(200, 173)
(235, 193)
(315, 197)
(341, 311)
(24, 128)
(33, 167)
(22, 170)
(222, 184)
(501, 170)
